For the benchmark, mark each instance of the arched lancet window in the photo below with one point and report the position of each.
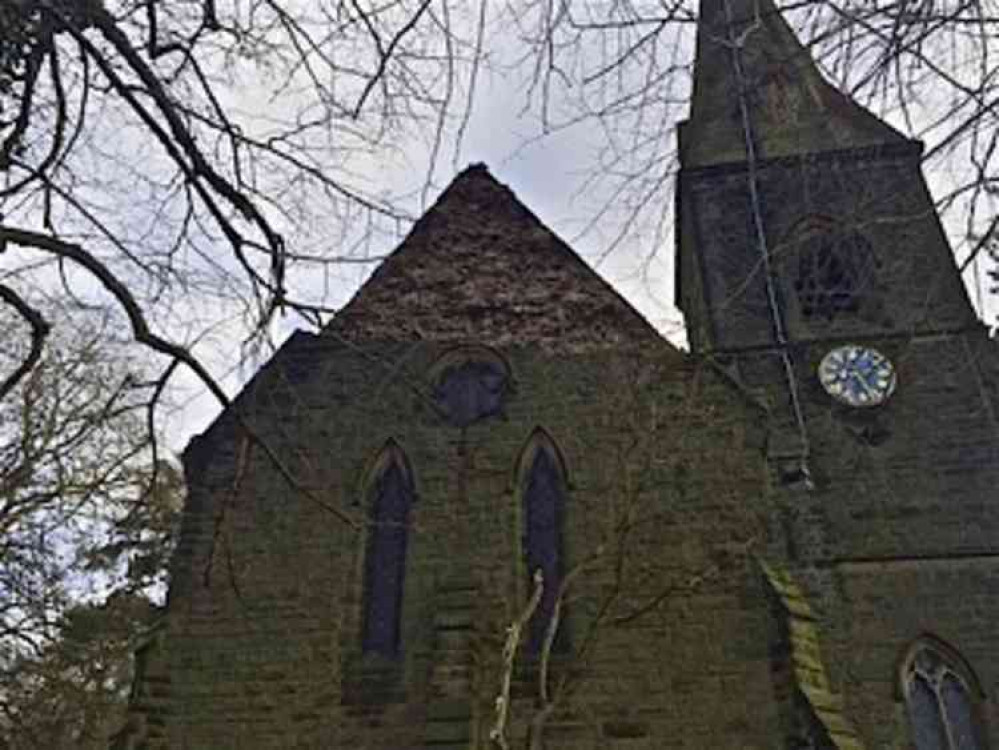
(390, 497)
(834, 271)
(544, 491)
(941, 698)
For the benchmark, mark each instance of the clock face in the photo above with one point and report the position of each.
(857, 375)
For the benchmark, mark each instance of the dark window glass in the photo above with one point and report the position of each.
(471, 391)
(385, 563)
(924, 713)
(941, 708)
(544, 500)
(957, 705)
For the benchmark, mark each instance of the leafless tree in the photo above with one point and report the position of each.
(82, 512)
(624, 70)
(627, 579)
(156, 155)
(72, 694)
(207, 165)
(192, 163)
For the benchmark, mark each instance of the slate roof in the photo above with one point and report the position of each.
(480, 267)
(793, 109)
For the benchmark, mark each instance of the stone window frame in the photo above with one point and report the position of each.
(806, 243)
(391, 456)
(540, 440)
(369, 679)
(462, 356)
(931, 661)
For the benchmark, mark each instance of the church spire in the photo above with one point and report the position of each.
(747, 44)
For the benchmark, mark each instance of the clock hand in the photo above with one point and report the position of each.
(864, 385)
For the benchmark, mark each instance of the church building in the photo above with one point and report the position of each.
(489, 507)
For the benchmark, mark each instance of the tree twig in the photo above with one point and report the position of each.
(497, 734)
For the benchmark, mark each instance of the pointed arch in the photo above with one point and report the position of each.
(540, 438)
(543, 483)
(390, 493)
(833, 268)
(942, 697)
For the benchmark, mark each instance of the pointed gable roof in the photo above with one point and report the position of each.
(479, 266)
(792, 108)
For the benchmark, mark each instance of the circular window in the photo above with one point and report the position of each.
(471, 385)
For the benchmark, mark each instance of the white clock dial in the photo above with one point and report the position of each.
(857, 375)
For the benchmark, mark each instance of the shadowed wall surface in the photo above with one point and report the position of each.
(738, 558)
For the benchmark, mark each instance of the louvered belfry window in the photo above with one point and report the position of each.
(940, 703)
(385, 559)
(835, 272)
(544, 506)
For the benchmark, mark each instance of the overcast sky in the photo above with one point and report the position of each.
(547, 176)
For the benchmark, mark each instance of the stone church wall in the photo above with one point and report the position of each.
(879, 194)
(664, 480)
(885, 606)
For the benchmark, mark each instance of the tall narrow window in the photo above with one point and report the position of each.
(544, 508)
(385, 560)
(941, 698)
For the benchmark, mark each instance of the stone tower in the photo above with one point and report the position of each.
(488, 506)
(812, 266)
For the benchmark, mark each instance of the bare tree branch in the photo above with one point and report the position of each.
(39, 330)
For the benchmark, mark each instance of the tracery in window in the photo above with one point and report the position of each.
(941, 697)
(470, 384)
(391, 496)
(834, 270)
(544, 491)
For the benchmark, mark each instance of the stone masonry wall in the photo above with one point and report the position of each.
(880, 194)
(667, 624)
(670, 635)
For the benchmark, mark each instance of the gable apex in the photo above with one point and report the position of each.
(480, 266)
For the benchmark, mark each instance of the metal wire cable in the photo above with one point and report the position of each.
(776, 318)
